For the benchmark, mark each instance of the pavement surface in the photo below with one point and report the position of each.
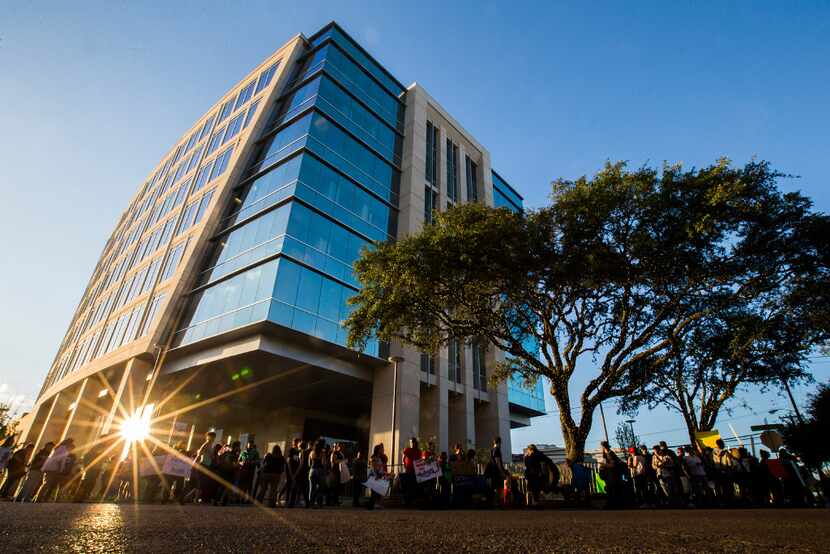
(155, 528)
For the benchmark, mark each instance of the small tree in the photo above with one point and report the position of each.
(6, 424)
(607, 277)
(625, 436)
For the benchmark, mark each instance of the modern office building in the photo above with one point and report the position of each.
(220, 294)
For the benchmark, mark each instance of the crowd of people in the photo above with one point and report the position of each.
(705, 477)
(313, 474)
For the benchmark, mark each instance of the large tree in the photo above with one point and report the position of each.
(760, 339)
(605, 278)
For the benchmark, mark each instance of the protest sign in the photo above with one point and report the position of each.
(146, 467)
(380, 486)
(708, 438)
(176, 467)
(426, 470)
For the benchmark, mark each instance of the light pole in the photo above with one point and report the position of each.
(631, 424)
(394, 360)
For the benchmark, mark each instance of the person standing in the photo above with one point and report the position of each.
(360, 473)
(495, 471)
(409, 483)
(697, 475)
(6, 449)
(378, 471)
(56, 468)
(292, 461)
(248, 462)
(725, 469)
(664, 467)
(270, 475)
(34, 475)
(203, 463)
(637, 470)
(610, 471)
(16, 470)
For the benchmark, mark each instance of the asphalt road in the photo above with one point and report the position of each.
(163, 529)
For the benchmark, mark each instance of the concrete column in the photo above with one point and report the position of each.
(407, 404)
(76, 407)
(40, 437)
(493, 416)
(434, 421)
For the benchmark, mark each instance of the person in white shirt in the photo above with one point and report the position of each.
(697, 475)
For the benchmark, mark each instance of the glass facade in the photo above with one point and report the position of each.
(122, 299)
(533, 398)
(322, 186)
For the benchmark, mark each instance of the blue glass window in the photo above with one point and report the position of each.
(215, 141)
(250, 114)
(206, 128)
(221, 163)
(226, 110)
(202, 177)
(233, 128)
(244, 95)
(355, 80)
(265, 78)
(504, 196)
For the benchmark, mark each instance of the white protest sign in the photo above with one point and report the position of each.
(146, 467)
(426, 470)
(380, 486)
(176, 467)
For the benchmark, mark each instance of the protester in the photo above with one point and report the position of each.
(34, 475)
(360, 473)
(270, 477)
(611, 470)
(409, 484)
(202, 466)
(637, 471)
(338, 475)
(300, 476)
(379, 471)
(495, 471)
(696, 471)
(248, 462)
(57, 468)
(724, 465)
(664, 467)
(92, 466)
(15, 470)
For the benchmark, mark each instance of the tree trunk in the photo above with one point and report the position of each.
(574, 435)
(575, 438)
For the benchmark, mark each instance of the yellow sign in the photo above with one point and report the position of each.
(707, 438)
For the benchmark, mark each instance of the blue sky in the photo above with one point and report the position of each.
(93, 94)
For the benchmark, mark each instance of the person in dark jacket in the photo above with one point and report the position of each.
(360, 473)
(270, 475)
(15, 470)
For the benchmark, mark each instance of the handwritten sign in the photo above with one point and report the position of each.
(426, 470)
(176, 467)
(380, 486)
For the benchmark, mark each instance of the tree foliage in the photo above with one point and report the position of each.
(607, 278)
(808, 439)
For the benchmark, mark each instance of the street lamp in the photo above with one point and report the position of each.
(394, 360)
(631, 424)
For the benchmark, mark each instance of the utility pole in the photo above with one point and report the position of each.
(792, 400)
(604, 427)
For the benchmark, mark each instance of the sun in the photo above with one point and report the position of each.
(136, 428)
